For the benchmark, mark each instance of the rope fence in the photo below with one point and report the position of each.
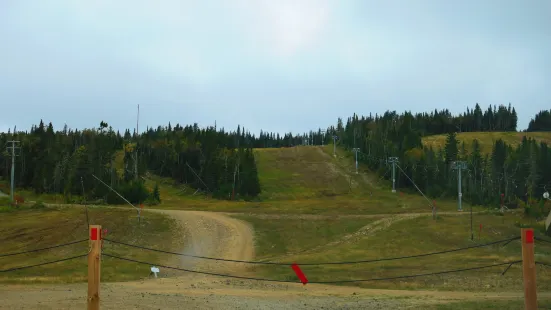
(316, 282)
(45, 263)
(506, 241)
(44, 249)
(96, 244)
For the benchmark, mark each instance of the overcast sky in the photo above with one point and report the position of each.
(277, 65)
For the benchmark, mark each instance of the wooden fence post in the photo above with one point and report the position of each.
(529, 269)
(94, 264)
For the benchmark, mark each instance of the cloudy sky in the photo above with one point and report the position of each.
(279, 65)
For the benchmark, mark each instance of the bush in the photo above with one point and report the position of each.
(133, 191)
(38, 205)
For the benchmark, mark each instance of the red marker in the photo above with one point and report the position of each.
(94, 234)
(299, 273)
(529, 236)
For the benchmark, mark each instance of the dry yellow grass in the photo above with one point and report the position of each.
(487, 139)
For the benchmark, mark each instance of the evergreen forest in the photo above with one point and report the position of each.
(221, 163)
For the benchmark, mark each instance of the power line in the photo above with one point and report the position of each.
(43, 249)
(315, 282)
(318, 264)
(45, 263)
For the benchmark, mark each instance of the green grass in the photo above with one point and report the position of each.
(408, 237)
(298, 172)
(291, 235)
(487, 139)
(27, 229)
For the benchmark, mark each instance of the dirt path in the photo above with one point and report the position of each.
(213, 235)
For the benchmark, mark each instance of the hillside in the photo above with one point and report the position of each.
(305, 179)
(487, 139)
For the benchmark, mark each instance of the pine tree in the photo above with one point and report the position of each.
(451, 149)
(156, 193)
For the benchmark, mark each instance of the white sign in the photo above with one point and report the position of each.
(154, 270)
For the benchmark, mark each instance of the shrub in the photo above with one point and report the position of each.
(133, 191)
(38, 205)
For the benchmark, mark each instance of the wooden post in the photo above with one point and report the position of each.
(94, 264)
(529, 269)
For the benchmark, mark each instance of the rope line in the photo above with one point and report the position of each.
(315, 282)
(318, 264)
(431, 204)
(45, 263)
(543, 264)
(541, 239)
(43, 249)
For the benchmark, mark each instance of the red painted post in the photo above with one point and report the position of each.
(94, 264)
(529, 269)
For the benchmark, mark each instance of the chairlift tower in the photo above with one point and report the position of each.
(12, 148)
(459, 166)
(335, 145)
(356, 150)
(548, 220)
(393, 161)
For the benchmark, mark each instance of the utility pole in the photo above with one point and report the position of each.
(12, 148)
(356, 150)
(393, 161)
(335, 146)
(459, 165)
(322, 137)
(137, 138)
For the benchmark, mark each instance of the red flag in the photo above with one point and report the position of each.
(299, 273)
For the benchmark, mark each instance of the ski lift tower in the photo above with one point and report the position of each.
(548, 220)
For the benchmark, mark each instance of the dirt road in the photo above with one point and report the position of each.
(217, 235)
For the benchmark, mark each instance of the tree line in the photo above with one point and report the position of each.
(64, 162)
(541, 122)
(518, 175)
(222, 164)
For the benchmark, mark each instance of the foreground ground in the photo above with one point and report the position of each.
(218, 235)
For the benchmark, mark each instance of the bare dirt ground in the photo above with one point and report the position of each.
(214, 234)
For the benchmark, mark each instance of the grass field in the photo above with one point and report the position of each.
(346, 239)
(487, 139)
(28, 228)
